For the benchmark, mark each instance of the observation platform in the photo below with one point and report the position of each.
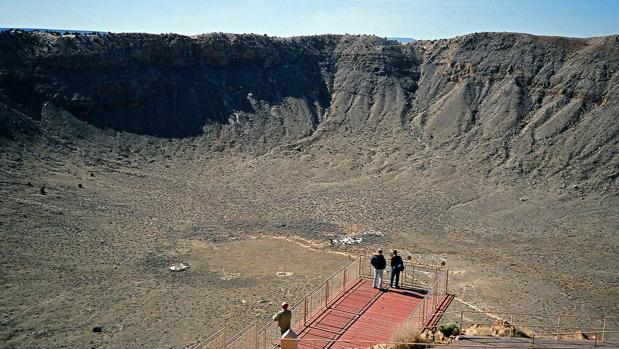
(362, 316)
(345, 311)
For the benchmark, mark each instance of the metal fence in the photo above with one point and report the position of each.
(539, 325)
(259, 335)
(431, 281)
(216, 340)
(427, 309)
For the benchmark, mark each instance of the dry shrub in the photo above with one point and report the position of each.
(478, 330)
(500, 328)
(406, 336)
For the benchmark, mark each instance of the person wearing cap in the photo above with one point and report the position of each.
(397, 265)
(379, 263)
(283, 318)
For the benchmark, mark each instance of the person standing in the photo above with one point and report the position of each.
(379, 263)
(397, 266)
(283, 318)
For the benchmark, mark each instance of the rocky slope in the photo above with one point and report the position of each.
(534, 106)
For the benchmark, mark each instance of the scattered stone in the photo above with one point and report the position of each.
(284, 273)
(30, 184)
(179, 267)
(523, 199)
(92, 174)
(41, 334)
(230, 276)
(367, 236)
(439, 337)
(97, 329)
(43, 192)
(575, 186)
(80, 186)
(579, 335)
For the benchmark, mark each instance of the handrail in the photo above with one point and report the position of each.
(547, 326)
(257, 335)
(319, 298)
(419, 321)
(489, 313)
(452, 344)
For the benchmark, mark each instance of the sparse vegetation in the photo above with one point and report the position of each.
(406, 336)
(449, 330)
(500, 328)
(520, 333)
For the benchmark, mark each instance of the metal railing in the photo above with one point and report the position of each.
(513, 343)
(431, 281)
(259, 335)
(216, 340)
(426, 310)
(538, 325)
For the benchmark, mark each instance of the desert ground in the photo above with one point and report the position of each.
(98, 255)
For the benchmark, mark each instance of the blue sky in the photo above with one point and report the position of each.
(401, 18)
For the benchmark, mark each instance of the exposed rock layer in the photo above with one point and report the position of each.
(544, 106)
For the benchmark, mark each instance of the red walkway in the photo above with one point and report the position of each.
(362, 315)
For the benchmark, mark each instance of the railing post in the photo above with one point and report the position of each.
(413, 274)
(446, 279)
(423, 315)
(461, 321)
(327, 294)
(604, 329)
(256, 342)
(305, 311)
(558, 325)
(344, 281)
(595, 340)
(225, 341)
(360, 261)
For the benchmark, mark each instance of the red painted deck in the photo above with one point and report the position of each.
(361, 315)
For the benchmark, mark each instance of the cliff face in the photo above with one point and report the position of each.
(530, 104)
(169, 86)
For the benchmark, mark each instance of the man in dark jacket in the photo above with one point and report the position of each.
(379, 263)
(397, 265)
